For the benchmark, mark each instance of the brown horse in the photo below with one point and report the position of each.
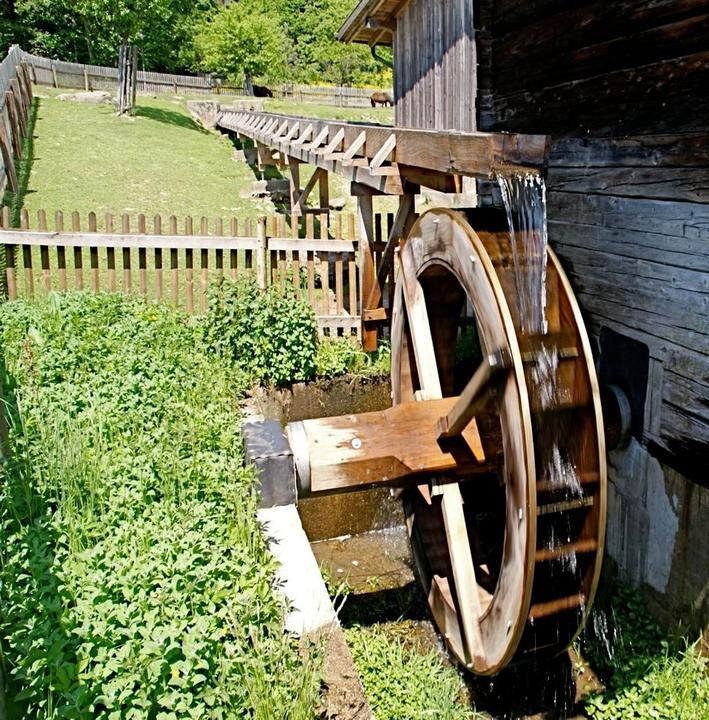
(381, 98)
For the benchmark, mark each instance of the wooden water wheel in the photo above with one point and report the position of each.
(495, 437)
(509, 545)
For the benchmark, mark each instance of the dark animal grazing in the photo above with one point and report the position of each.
(262, 91)
(381, 98)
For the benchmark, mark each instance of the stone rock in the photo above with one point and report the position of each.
(205, 112)
(247, 103)
(278, 189)
(96, 97)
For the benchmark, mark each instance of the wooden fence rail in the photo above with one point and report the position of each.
(15, 111)
(59, 73)
(163, 264)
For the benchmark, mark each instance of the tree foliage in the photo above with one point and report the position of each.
(92, 30)
(271, 40)
(244, 38)
(317, 55)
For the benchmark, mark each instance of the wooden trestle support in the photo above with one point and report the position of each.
(495, 437)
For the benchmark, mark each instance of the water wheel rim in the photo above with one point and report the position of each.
(503, 621)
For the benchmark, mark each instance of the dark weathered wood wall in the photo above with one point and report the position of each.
(623, 89)
(434, 71)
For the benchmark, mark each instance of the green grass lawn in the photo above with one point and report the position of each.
(158, 161)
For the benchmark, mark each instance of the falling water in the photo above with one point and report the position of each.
(524, 197)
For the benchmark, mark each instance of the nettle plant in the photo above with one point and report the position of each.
(269, 334)
(134, 579)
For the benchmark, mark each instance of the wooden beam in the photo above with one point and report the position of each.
(464, 153)
(303, 197)
(365, 218)
(402, 224)
(356, 145)
(335, 143)
(320, 138)
(305, 135)
(383, 153)
(419, 327)
(324, 188)
(452, 501)
(125, 240)
(392, 447)
(474, 396)
(294, 167)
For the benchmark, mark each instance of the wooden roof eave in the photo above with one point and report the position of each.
(372, 22)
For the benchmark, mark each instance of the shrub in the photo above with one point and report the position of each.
(338, 356)
(269, 334)
(134, 580)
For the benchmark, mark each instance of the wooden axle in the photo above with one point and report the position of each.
(394, 447)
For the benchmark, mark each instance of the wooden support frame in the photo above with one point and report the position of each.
(416, 157)
(473, 397)
(392, 447)
(402, 224)
(299, 206)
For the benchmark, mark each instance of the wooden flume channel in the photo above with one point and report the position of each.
(504, 488)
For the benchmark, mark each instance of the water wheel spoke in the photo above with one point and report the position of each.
(466, 587)
(475, 394)
(420, 329)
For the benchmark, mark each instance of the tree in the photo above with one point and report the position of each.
(241, 41)
(93, 30)
(318, 56)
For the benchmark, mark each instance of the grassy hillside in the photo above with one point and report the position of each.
(159, 161)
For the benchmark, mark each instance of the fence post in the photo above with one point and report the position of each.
(261, 251)
(54, 74)
(87, 87)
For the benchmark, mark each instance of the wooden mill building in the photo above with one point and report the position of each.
(622, 89)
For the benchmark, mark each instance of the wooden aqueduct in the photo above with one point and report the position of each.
(502, 475)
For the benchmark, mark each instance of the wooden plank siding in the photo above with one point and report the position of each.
(434, 65)
(622, 89)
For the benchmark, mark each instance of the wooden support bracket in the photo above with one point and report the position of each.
(392, 447)
(355, 147)
(384, 152)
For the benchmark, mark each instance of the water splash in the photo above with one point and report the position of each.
(562, 473)
(606, 631)
(524, 197)
(544, 375)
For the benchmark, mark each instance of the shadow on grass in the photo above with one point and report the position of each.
(169, 117)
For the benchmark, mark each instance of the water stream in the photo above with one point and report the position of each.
(524, 198)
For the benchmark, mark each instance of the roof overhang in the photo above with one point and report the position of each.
(372, 22)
